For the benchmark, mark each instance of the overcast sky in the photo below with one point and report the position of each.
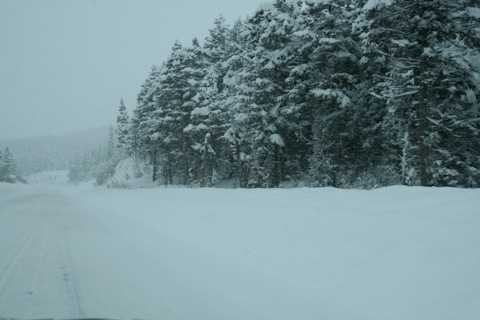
(64, 65)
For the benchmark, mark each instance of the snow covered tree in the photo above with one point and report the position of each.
(332, 83)
(104, 163)
(122, 130)
(429, 49)
(80, 169)
(210, 119)
(180, 81)
(110, 152)
(2, 174)
(7, 167)
(256, 82)
(144, 131)
(347, 93)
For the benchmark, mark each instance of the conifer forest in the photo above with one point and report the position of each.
(345, 93)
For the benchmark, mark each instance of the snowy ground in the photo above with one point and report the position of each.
(59, 178)
(131, 174)
(393, 253)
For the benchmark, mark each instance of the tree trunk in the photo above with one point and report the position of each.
(421, 114)
(337, 155)
(277, 167)
(421, 132)
(155, 166)
(240, 169)
(185, 165)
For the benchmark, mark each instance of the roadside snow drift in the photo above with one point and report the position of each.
(58, 178)
(393, 253)
(131, 174)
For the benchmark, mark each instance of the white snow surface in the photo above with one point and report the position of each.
(394, 253)
(374, 4)
(474, 12)
(131, 174)
(276, 139)
(58, 177)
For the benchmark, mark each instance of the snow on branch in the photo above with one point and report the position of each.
(409, 93)
(277, 139)
(331, 93)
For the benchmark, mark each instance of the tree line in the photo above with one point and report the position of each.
(345, 93)
(98, 164)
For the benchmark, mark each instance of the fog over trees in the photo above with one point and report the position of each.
(48, 153)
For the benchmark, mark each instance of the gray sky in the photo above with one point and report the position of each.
(64, 65)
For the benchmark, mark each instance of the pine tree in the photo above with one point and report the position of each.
(333, 88)
(7, 167)
(255, 84)
(429, 79)
(122, 130)
(145, 132)
(79, 169)
(179, 96)
(110, 152)
(105, 160)
(209, 120)
(2, 174)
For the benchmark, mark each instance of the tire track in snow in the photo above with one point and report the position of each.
(15, 215)
(41, 261)
(24, 246)
(74, 302)
(112, 247)
(7, 203)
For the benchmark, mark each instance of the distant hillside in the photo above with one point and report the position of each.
(48, 153)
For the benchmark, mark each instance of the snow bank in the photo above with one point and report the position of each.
(131, 174)
(13, 190)
(59, 178)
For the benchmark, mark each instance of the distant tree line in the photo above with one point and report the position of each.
(98, 165)
(50, 153)
(345, 93)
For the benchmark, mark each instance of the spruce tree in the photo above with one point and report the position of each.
(145, 133)
(122, 130)
(8, 171)
(425, 47)
(2, 174)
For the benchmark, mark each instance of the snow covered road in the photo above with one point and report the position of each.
(393, 253)
(63, 258)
